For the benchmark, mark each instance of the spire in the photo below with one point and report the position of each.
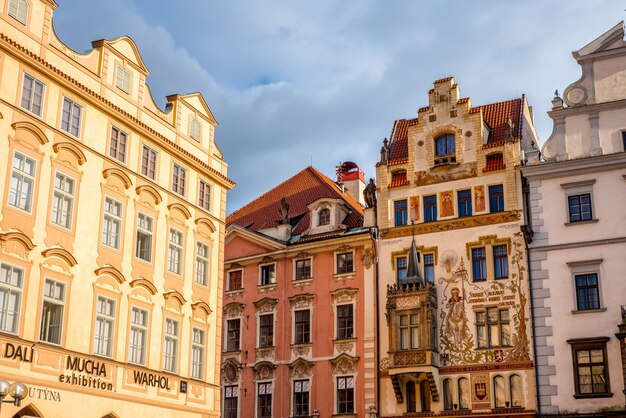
(413, 274)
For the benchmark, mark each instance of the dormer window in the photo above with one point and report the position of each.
(195, 131)
(323, 218)
(445, 149)
(18, 9)
(122, 81)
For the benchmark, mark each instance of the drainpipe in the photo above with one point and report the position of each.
(527, 230)
(375, 234)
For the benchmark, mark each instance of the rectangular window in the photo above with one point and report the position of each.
(464, 198)
(105, 327)
(195, 130)
(493, 328)
(587, 294)
(401, 269)
(233, 331)
(580, 207)
(148, 162)
(170, 349)
(345, 321)
(429, 267)
(202, 264)
(32, 94)
(197, 354)
(624, 140)
(62, 200)
(264, 400)
(179, 175)
(22, 182)
(303, 269)
(52, 311)
(122, 81)
(590, 369)
(144, 237)
(300, 399)
(268, 274)
(10, 297)
(204, 198)
(235, 280)
(409, 331)
(345, 263)
(138, 337)
(430, 208)
(345, 395)
(112, 223)
(500, 261)
(496, 198)
(70, 117)
(266, 330)
(18, 10)
(175, 252)
(303, 327)
(479, 264)
(117, 146)
(231, 393)
(400, 212)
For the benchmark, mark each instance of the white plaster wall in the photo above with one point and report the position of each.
(610, 79)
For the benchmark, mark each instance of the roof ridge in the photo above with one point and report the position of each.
(344, 196)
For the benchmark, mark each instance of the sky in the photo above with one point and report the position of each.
(298, 83)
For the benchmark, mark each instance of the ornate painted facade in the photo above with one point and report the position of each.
(299, 328)
(577, 193)
(111, 231)
(453, 276)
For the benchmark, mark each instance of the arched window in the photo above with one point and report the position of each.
(445, 145)
(464, 393)
(425, 395)
(323, 217)
(498, 392)
(516, 391)
(411, 404)
(18, 9)
(447, 394)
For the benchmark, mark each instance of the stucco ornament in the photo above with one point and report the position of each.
(367, 258)
(448, 260)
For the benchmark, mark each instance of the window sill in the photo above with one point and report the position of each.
(302, 345)
(302, 282)
(590, 221)
(349, 415)
(584, 311)
(344, 276)
(593, 395)
(234, 292)
(345, 340)
(266, 287)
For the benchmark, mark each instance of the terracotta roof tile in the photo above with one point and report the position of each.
(494, 162)
(423, 109)
(442, 80)
(300, 191)
(399, 140)
(398, 179)
(463, 100)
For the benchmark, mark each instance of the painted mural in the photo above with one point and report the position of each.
(415, 208)
(479, 198)
(461, 295)
(446, 203)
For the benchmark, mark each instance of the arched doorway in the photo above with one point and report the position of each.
(425, 395)
(29, 411)
(411, 401)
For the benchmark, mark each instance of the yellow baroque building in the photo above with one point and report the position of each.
(111, 231)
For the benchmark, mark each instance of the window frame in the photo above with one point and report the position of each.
(114, 219)
(590, 344)
(495, 194)
(500, 261)
(175, 251)
(8, 289)
(464, 203)
(57, 302)
(134, 348)
(587, 288)
(202, 259)
(169, 359)
(146, 161)
(301, 407)
(302, 327)
(16, 16)
(267, 274)
(348, 392)
(348, 262)
(300, 271)
(229, 273)
(323, 217)
(236, 334)
(120, 69)
(73, 105)
(479, 264)
(449, 142)
(204, 195)
(233, 391)
(400, 212)
(401, 264)
(118, 148)
(148, 233)
(267, 399)
(578, 189)
(193, 122)
(34, 81)
(179, 179)
(412, 329)
(428, 266)
(22, 177)
(100, 340)
(62, 196)
(430, 208)
(344, 329)
(266, 331)
(198, 362)
(586, 268)
(488, 326)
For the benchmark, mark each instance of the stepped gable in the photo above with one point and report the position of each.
(306, 187)
(494, 115)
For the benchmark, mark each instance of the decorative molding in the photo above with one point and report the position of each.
(182, 209)
(266, 304)
(116, 172)
(301, 368)
(17, 243)
(302, 255)
(344, 249)
(344, 364)
(487, 240)
(233, 309)
(61, 253)
(140, 282)
(151, 191)
(300, 350)
(33, 129)
(367, 258)
(264, 370)
(267, 260)
(231, 370)
(344, 295)
(110, 271)
(72, 149)
(302, 301)
(201, 309)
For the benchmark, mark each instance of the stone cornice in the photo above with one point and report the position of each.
(586, 109)
(576, 166)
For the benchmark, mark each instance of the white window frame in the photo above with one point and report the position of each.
(143, 230)
(120, 152)
(17, 197)
(104, 327)
(195, 130)
(18, 10)
(111, 220)
(238, 348)
(229, 284)
(198, 353)
(575, 189)
(150, 152)
(293, 394)
(11, 294)
(272, 278)
(52, 301)
(137, 346)
(257, 393)
(202, 264)
(336, 321)
(586, 267)
(336, 392)
(295, 269)
(176, 241)
(34, 82)
(73, 107)
(179, 179)
(234, 393)
(204, 195)
(258, 330)
(62, 208)
(123, 79)
(294, 326)
(171, 335)
(337, 254)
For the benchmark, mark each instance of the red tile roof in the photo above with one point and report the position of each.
(494, 162)
(441, 80)
(494, 115)
(306, 187)
(398, 179)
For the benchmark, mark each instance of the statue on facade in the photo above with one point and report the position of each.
(508, 129)
(384, 153)
(284, 211)
(370, 194)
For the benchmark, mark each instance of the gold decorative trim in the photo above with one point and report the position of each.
(487, 240)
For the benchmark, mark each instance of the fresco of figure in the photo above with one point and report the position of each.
(455, 323)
